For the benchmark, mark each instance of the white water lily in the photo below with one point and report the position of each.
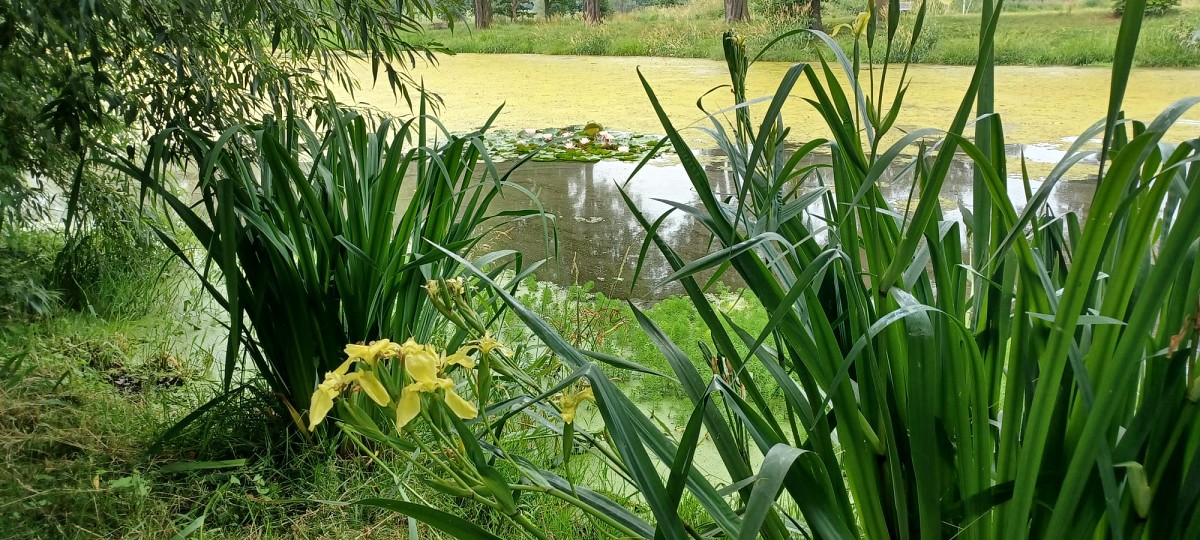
(584, 140)
(547, 136)
(623, 148)
(569, 145)
(530, 132)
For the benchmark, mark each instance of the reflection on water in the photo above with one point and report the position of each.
(599, 239)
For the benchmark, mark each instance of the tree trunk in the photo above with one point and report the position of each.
(591, 11)
(513, 13)
(737, 10)
(814, 12)
(483, 13)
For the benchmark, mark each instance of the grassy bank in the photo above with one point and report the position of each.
(1066, 37)
(84, 395)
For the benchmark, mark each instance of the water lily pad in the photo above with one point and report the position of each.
(587, 144)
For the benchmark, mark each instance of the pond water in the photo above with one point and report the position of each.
(599, 240)
(1042, 108)
(1037, 104)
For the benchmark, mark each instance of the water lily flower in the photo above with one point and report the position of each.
(336, 382)
(569, 145)
(584, 140)
(425, 369)
(604, 135)
(623, 148)
(530, 132)
(547, 136)
(571, 401)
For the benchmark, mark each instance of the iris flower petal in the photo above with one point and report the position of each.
(411, 347)
(460, 358)
(487, 344)
(355, 351)
(461, 407)
(570, 402)
(421, 366)
(342, 369)
(322, 403)
(377, 348)
(373, 388)
(408, 407)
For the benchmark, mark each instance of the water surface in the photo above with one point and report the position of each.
(1037, 104)
(599, 239)
(1043, 110)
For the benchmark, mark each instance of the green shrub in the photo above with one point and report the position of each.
(513, 9)
(26, 264)
(1153, 7)
(112, 263)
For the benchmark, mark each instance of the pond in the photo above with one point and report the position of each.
(599, 240)
(1043, 108)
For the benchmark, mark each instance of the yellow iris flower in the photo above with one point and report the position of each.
(456, 286)
(858, 27)
(412, 347)
(425, 367)
(371, 353)
(571, 401)
(460, 358)
(487, 344)
(337, 381)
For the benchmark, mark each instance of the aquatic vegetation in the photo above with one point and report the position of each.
(889, 370)
(324, 239)
(1033, 377)
(584, 143)
(463, 446)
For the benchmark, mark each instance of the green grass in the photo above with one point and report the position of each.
(81, 403)
(74, 443)
(1047, 35)
(593, 321)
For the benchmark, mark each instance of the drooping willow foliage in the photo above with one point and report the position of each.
(82, 78)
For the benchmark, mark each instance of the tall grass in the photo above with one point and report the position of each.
(320, 240)
(1018, 374)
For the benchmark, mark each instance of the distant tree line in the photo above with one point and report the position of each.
(594, 11)
(484, 11)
